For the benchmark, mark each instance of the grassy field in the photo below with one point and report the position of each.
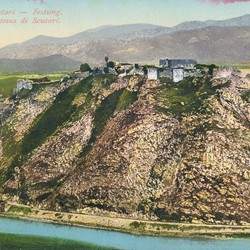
(245, 65)
(12, 241)
(8, 80)
(189, 96)
(239, 65)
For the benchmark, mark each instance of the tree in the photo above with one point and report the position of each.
(111, 64)
(84, 67)
(211, 69)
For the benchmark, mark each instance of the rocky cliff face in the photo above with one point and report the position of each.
(131, 147)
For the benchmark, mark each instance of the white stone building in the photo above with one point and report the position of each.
(139, 71)
(224, 72)
(165, 72)
(177, 63)
(178, 74)
(153, 73)
(23, 84)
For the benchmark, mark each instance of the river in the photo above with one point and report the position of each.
(116, 239)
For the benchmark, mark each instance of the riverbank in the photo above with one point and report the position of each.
(125, 224)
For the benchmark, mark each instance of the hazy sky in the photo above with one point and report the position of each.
(78, 15)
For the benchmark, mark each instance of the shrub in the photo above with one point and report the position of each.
(111, 64)
(85, 67)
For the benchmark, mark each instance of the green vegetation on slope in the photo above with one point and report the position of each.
(104, 112)
(7, 84)
(62, 110)
(47, 123)
(118, 100)
(127, 97)
(68, 106)
(246, 96)
(187, 96)
(107, 80)
(19, 209)
(59, 112)
(14, 241)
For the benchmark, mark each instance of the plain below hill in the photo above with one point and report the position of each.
(49, 64)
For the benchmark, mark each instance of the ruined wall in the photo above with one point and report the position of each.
(23, 84)
(153, 73)
(178, 75)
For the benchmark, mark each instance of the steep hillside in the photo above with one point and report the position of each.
(131, 147)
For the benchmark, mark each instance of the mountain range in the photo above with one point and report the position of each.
(135, 31)
(208, 41)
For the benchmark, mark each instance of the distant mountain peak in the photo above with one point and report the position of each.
(137, 30)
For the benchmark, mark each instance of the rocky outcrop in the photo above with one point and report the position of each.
(144, 149)
(20, 112)
(118, 172)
